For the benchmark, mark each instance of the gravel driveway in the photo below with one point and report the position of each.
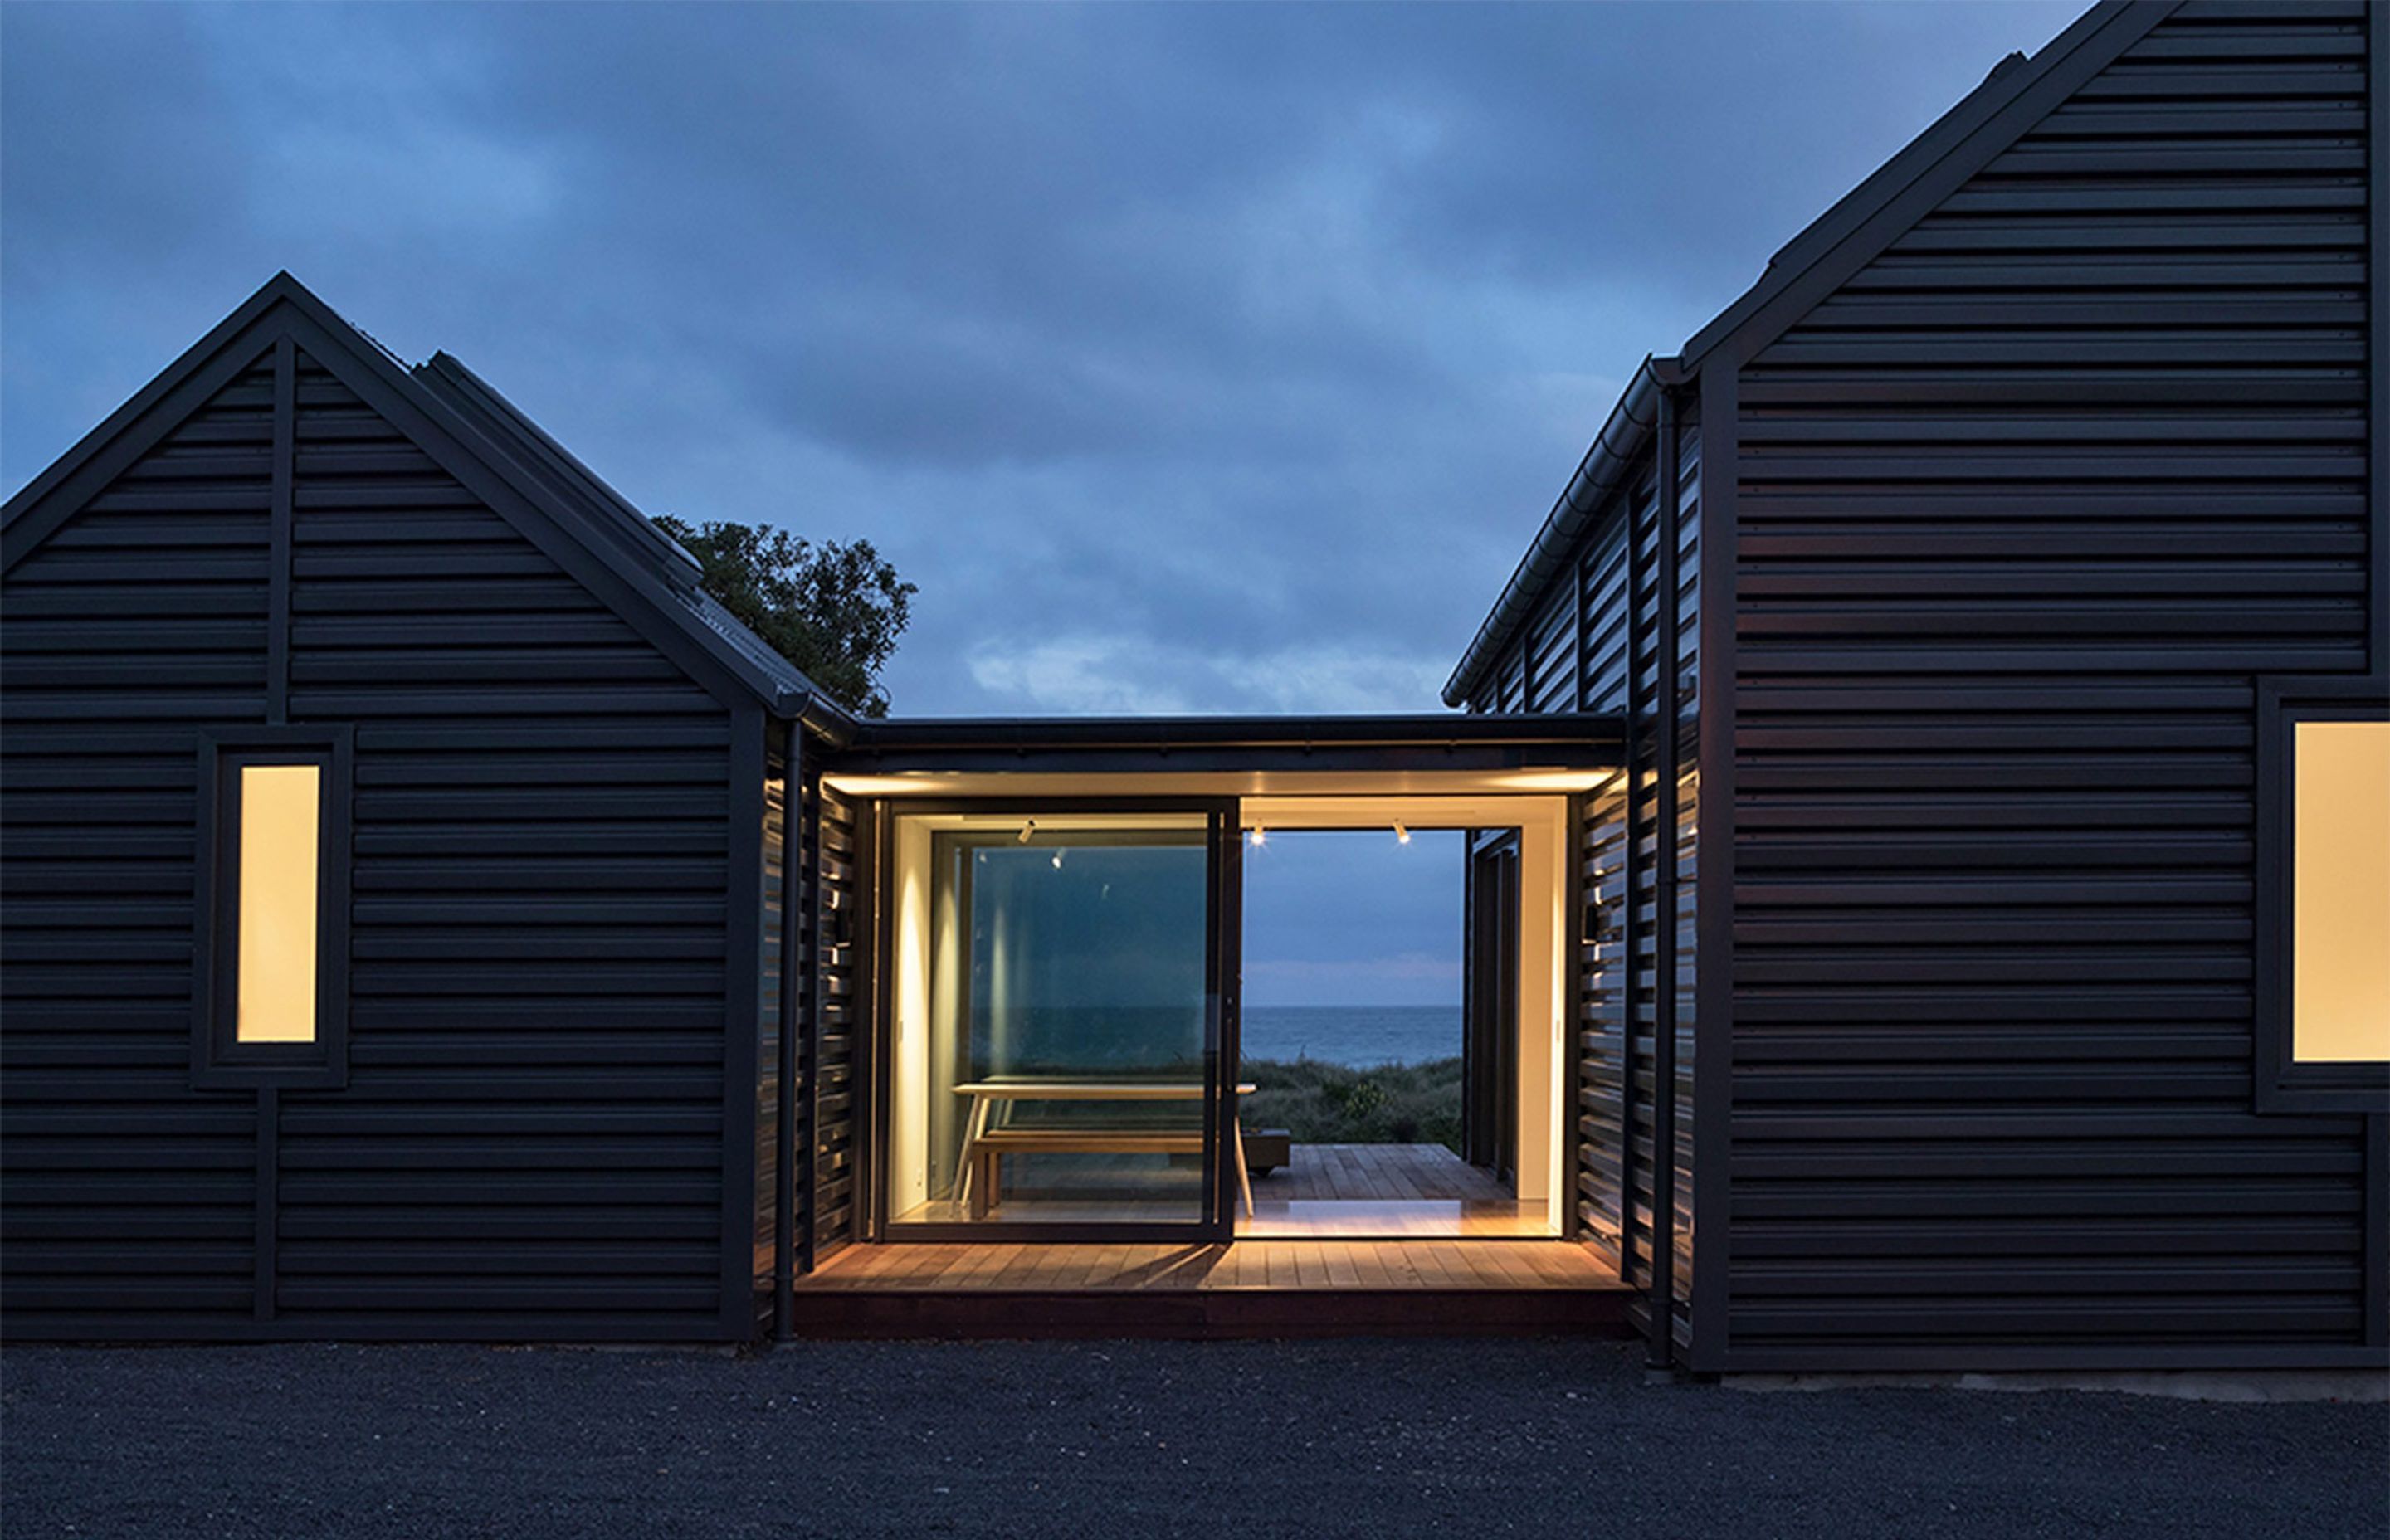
(1123, 1439)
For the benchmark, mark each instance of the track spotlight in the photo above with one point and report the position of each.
(1402, 835)
(1027, 829)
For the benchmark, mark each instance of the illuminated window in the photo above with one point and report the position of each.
(2321, 987)
(272, 986)
(275, 977)
(2340, 892)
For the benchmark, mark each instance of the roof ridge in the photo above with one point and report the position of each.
(1926, 151)
(490, 437)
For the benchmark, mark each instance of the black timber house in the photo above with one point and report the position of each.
(1908, 671)
(1957, 586)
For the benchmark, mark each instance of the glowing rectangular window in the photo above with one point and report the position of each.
(2340, 900)
(280, 826)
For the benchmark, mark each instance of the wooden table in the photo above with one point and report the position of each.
(979, 1171)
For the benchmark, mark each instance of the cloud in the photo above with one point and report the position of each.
(1131, 675)
(1408, 967)
(1191, 358)
(1073, 675)
(1205, 358)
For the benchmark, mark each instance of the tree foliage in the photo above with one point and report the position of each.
(834, 609)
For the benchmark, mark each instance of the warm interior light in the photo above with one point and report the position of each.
(1256, 838)
(1402, 835)
(275, 982)
(2340, 904)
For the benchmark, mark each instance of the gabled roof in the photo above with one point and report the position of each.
(541, 457)
(476, 435)
(2017, 94)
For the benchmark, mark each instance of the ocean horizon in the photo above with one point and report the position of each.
(1355, 1035)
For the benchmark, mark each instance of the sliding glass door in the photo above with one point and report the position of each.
(1056, 1031)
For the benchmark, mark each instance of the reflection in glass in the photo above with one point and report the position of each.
(1050, 1058)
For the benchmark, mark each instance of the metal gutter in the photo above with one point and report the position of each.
(819, 715)
(1623, 438)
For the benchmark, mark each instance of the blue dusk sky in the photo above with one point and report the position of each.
(1189, 358)
(1352, 918)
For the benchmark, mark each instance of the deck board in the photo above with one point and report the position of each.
(1298, 1265)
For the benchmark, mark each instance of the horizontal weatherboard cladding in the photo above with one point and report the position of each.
(2024, 510)
(143, 620)
(773, 1249)
(1594, 643)
(531, 1140)
(831, 1103)
(547, 886)
(2034, 470)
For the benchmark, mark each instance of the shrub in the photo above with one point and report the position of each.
(1320, 1103)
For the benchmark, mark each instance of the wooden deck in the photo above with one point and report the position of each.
(1249, 1289)
(1326, 1191)
(1386, 1192)
(1379, 1173)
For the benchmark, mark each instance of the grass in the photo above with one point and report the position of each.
(1320, 1103)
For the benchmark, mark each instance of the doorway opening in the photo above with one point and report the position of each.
(1064, 1051)
(1381, 1028)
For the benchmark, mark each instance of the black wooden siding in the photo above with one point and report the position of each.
(832, 1102)
(532, 1136)
(1586, 647)
(774, 1251)
(1674, 855)
(127, 1196)
(2023, 510)
(531, 1140)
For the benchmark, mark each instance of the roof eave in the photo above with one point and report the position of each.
(1623, 437)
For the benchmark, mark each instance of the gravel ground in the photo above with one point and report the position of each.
(1111, 1439)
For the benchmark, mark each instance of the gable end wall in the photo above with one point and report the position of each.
(532, 1140)
(2022, 513)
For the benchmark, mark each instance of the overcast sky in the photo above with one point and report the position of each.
(1351, 917)
(1217, 358)
(1189, 359)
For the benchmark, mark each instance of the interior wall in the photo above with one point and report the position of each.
(909, 1131)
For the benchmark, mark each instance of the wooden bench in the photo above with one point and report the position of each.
(978, 1175)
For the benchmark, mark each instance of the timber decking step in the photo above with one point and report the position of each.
(993, 1267)
(1247, 1288)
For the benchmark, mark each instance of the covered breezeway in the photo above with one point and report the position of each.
(1108, 1154)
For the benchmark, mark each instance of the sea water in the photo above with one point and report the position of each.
(1352, 1035)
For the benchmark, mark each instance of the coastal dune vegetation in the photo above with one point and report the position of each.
(1323, 1103)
